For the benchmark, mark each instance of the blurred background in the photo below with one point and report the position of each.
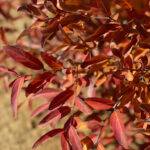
(22, 132)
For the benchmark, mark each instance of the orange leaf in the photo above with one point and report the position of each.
(100, 147)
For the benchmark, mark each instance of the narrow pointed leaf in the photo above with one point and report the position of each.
(118, 128)
(54, 116)
(40, 82)
(64, 143)
(93, 60)
(100, 147)
(145, 107)
(47, 137)
(47, 93)
(51, 61)
(16, 88)
(40, 109)
(74, 139)
(99, 103)
(82, 106)
(6, 70)
(23, 57)
(60, 99)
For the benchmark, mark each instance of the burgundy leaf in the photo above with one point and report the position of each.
(40, 82)
(25, 58)
(61, 98)
(54, 116)
(51, 61)
(16, 88)
(74, 139)
(47, 137)
(145, 107)
(118, 128)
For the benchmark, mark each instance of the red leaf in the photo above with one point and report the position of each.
(61, 99)
(118, 128)
(6, 70)
(82, 106)
(40, 109)
(74, 139)
(99, 103)
(23, 57)
(2, 35)
(16, 88)
(51, 61)
(47, 137)
(64, 142)
(145, 107)
(100, 147)
(40, 82)
(102, 30)
(47, 93)
(93, 60)
(54, 116)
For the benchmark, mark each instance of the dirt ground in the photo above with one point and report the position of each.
(20, 133)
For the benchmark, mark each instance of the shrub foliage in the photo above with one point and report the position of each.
(90, 64)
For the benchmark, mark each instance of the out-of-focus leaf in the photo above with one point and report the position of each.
(74, 5)
(118, 128)
(40, 109)
(74, 139)
(99, 103)
(54, 116)
(60, 99)
(82, 106)
(64, 142)
(145, 107)
(47, 137)
(93, 60)
(105, 5)
(46, 93)
(89, 141)
(16, 88)
(100, 146)
(40, 82)
(25, 58)
(102, 30)
(2, 35)
(51, 61)
(6, 70)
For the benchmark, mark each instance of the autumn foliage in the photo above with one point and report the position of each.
(90, 62)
